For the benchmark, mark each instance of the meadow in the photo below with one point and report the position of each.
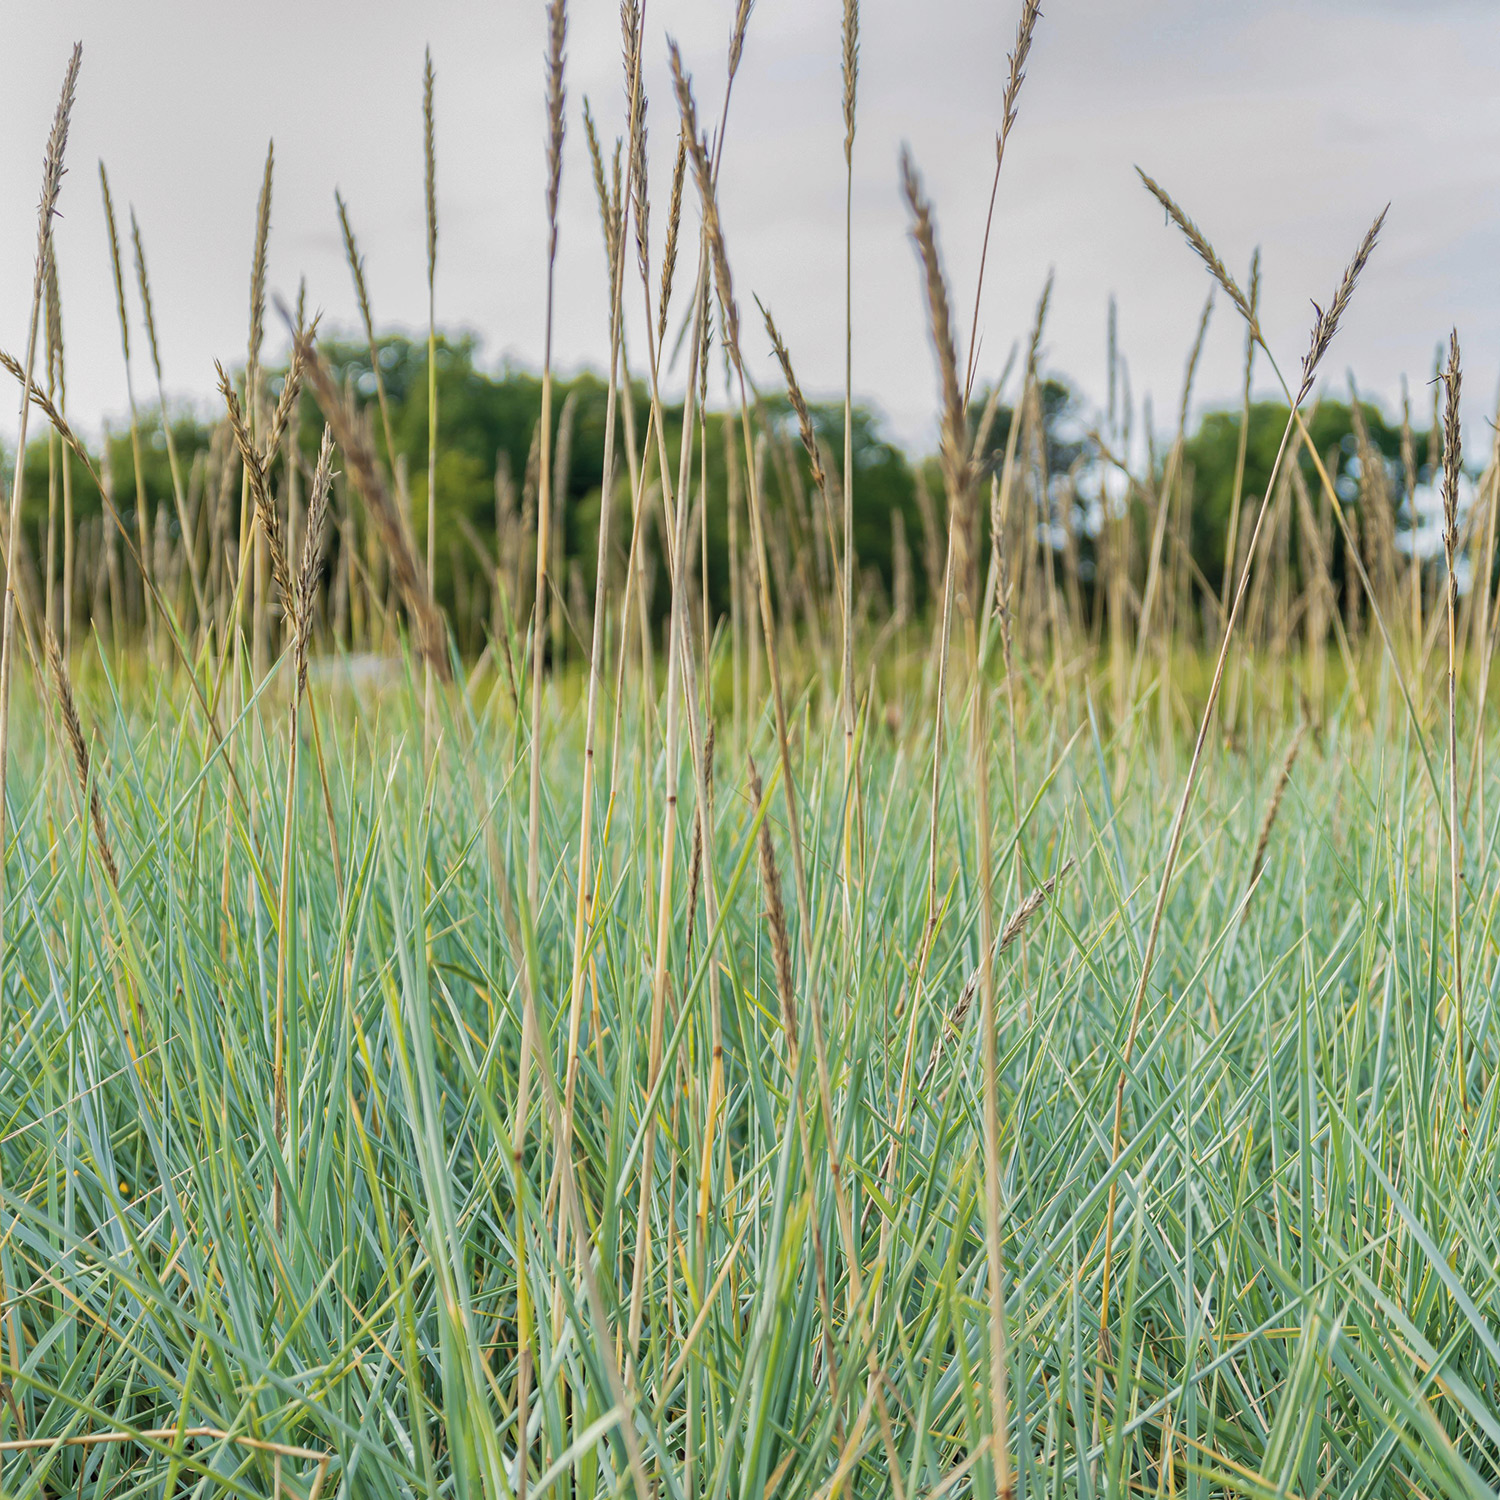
(1039, 1043)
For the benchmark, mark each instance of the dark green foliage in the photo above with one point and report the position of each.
(1211, 451)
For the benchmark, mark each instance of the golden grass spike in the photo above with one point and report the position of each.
(62, 685)
(258, 278)
(1452, 468)
(601, 189)
(115, 261)
(362, 296)
(52, 174)
(257, 468)
(1031, 11)
(1025, 28)
(351, 435)
(557, 33)
(1273, 806)
(674, 220)
(311, 563)
(1019, 920)
(640, 196)
(851, 75)
(737, 37)
(799, 402)
(939, 320)
(57, 146)
(781, 947)
(57, 380)
(429, 156)
(1326, 323)
(291, 389)
(704, 177)
(1206, 252)
(144, 282)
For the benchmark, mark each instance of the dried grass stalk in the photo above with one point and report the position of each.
(1206, 252)
(352, 436)
(1326, 324)
(62, 685)
(674, 220)
(1452, 468)
(257, 461)
(799, 404)
(1273, 807)
(52, 175)
(940, 323)
(781, 947)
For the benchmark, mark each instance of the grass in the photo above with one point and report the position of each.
(849, 1057)
(1307, 1222)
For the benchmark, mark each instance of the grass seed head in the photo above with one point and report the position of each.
(1206, 252)
(1326, 322)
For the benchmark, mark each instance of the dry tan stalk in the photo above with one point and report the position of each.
(1325, 325)
(781, 952)
(117, 264)
(362, 296)
(258, 284)
(200, 598)
(799, 405)
(62, 685)
(429, 154)
(955, 465)
(311, 564)
(704, 178)
(1014, 927)
(55, 387)
(253, 546)
(1206, 252)
(703, 173)
(852, 791)
(1409, 473)
(1452, 468)
(1145, 636)
(695, 869)
(557, 33)
(851, 75)
(781, 947)
(1273, 806)
(298, 607)
(429, 158)
(940, 327)
(1025, 27)
(737, 37)
(612, 214)
(257, 468)
(669, 253)
(52, 174)
(1231, 539)
(352, 437)
(1484, 621)
(557, 23)
(601, 189)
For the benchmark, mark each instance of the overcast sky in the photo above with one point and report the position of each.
(1287, 125)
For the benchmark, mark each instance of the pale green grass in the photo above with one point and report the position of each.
(1308, 1234)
